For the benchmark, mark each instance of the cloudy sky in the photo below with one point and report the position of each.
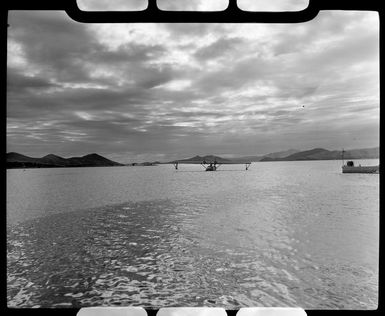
(158, 92)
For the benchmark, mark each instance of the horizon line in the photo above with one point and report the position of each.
(239, 156)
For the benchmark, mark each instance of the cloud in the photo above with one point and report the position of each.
(163, 89)
(49, 44)
(18, 82)
(220, 48)
(125, 54)
(190, 31)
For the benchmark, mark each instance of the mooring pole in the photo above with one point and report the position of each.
(342, 156)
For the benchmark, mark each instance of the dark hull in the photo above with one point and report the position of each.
(361, 169)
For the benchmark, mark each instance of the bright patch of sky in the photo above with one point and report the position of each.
(112, 5)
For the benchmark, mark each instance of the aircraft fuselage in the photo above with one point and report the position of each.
(211, 168)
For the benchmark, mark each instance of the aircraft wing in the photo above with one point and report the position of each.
(188, 162)
(211, 165)
(232, 162)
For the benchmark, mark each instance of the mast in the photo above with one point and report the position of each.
(342, 156)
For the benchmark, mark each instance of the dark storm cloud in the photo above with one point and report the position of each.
(68, 100)
(16, 81)
(67, 51)
(59, 52)
(49, 43)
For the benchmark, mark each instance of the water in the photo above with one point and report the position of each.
(280, 234)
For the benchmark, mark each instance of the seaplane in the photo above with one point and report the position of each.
(211, 163)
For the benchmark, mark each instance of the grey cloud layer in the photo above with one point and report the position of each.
(228, 88)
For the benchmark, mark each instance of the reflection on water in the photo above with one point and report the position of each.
(280, 246)
(146, 254)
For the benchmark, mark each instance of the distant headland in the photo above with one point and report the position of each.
(15, 160)
(320, 154)
(294, 155)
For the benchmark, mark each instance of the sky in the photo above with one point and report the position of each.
(147, 92)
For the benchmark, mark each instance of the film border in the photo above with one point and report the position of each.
(232, 14)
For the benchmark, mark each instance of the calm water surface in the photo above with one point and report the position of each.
(280, 234)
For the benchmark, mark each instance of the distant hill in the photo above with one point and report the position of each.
(268, 157)
(324, 154)
(281, 154)
(247, 158)
(313, 154)
(15, 160)
(207, 158)
(15, 157)
(54, 160)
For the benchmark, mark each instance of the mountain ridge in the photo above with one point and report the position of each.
(16, 160)
(294, 155)
(324, 154)
(278, 154)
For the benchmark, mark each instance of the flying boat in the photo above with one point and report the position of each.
(211, 163)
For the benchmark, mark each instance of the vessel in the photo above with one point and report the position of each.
(351, 168)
